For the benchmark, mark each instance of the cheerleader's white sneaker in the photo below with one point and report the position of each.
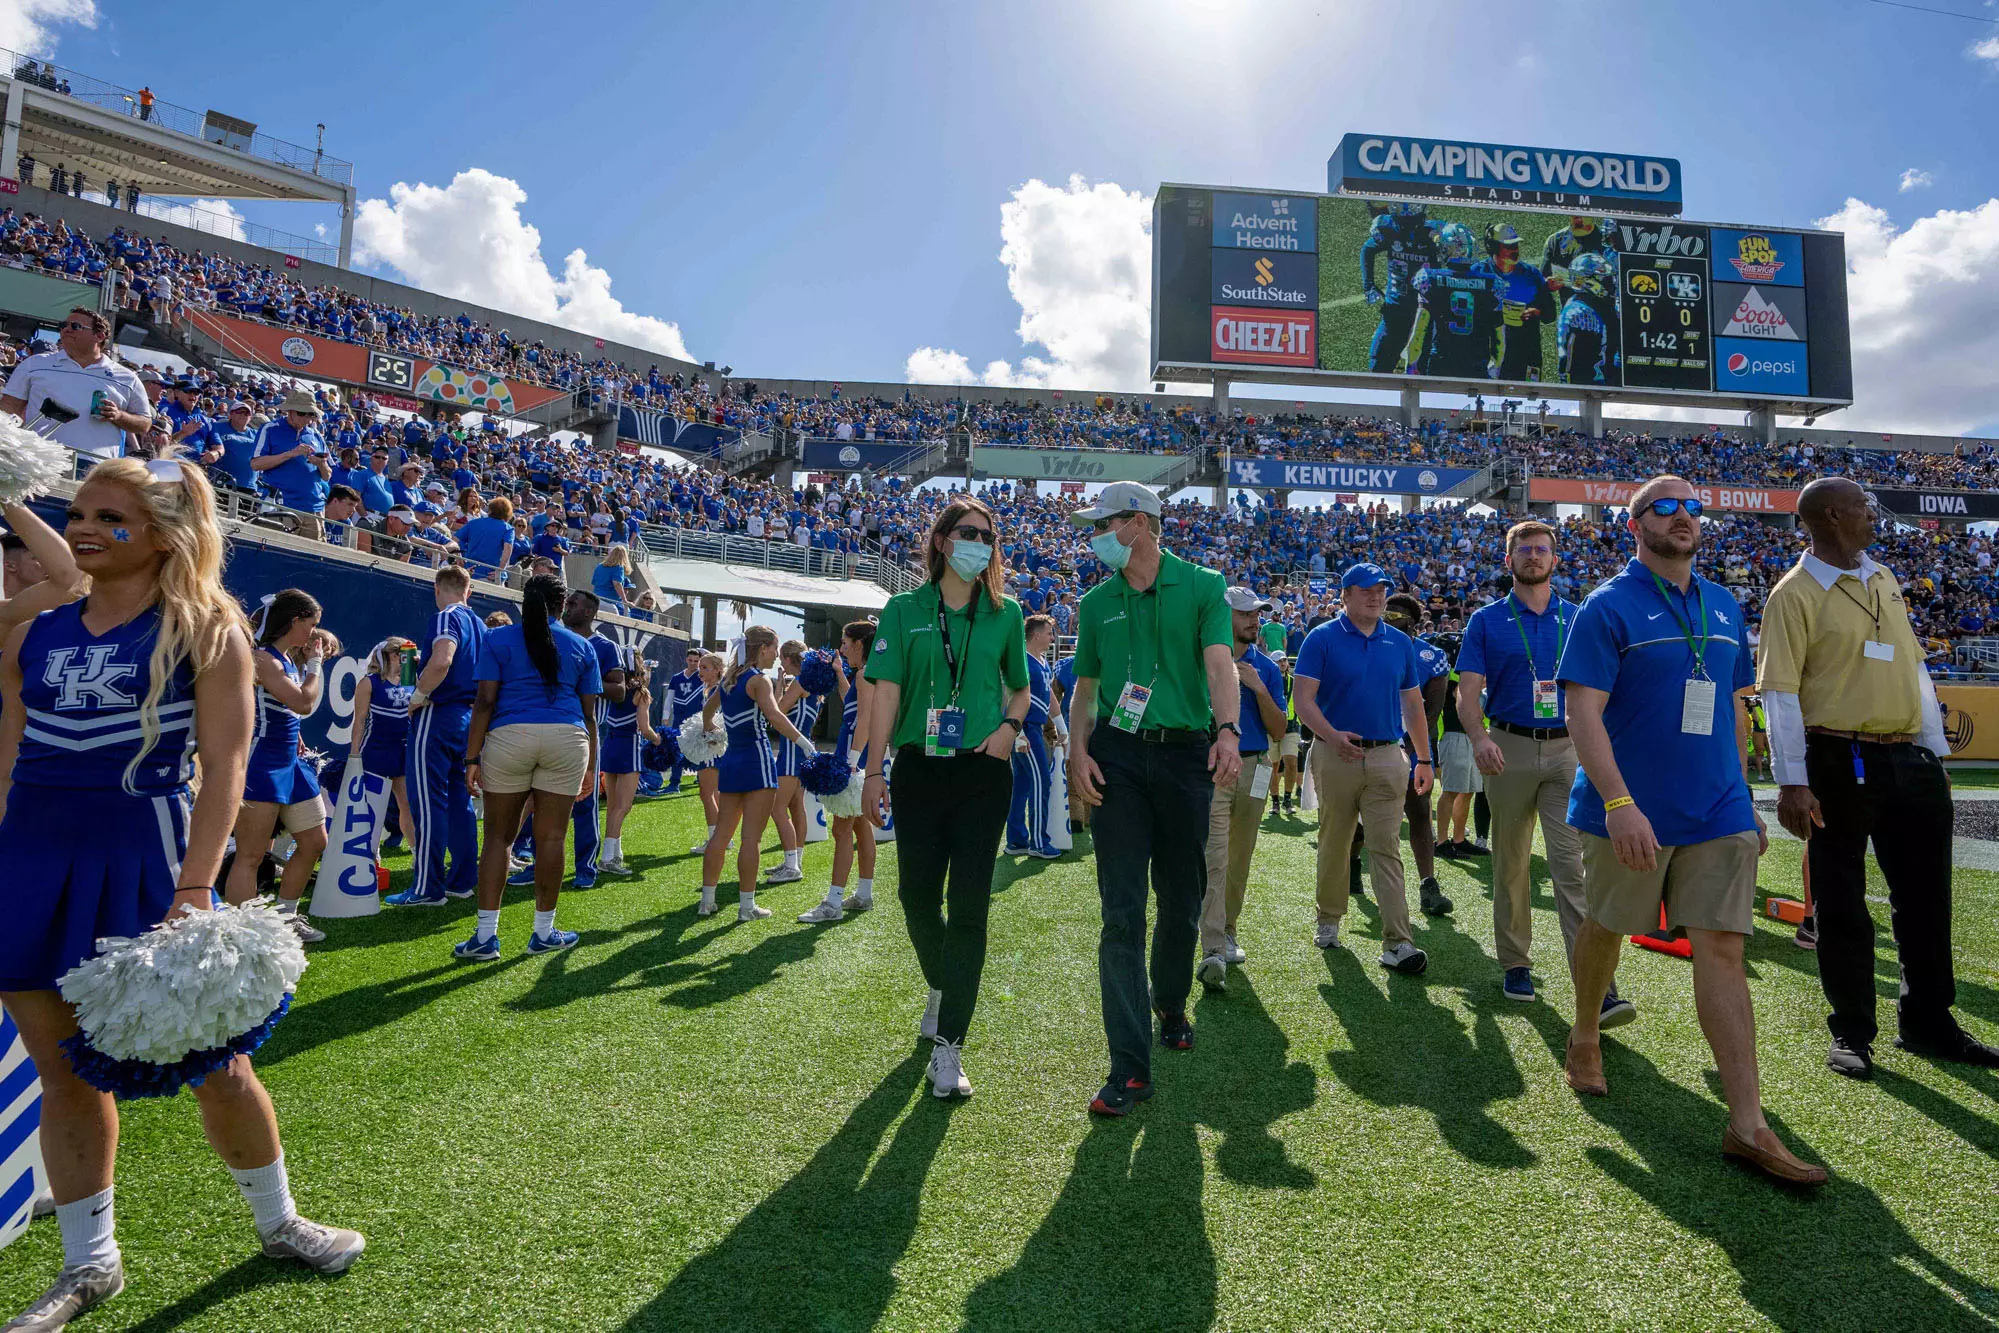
(323, 1249)
(77, 1289)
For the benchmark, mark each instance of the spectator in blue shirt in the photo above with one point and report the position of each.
(229, 449)
(290, 455)
(1654, 673)
(612, 580)
(376, 494)
(488, 543)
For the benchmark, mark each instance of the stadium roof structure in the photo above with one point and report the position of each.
(108, 132)
(762, 587)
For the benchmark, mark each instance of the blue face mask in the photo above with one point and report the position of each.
(969, 559)
(1110, 550)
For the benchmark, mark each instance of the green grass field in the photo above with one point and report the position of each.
(1347, 322)
(687, 1124)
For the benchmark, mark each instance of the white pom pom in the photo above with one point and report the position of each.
(845, 804)
(29, 463)
(698, 746)
(192, 985)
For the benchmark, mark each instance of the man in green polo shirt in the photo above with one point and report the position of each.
(1152, 733)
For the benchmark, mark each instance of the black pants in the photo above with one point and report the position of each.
(949, 815)
(1905, 807)
(1154, 817)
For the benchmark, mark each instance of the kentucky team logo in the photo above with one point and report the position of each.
(92, 682)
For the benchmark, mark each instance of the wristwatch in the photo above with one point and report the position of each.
(1229, 726)
(1017, 726)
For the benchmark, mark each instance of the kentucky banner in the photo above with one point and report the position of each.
(1377, 478)
(347, 884)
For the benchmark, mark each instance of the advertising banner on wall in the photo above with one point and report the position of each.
(1378, 478)
(1735, 499)
(1972, 506)
(664, 430)
(855, 455)
(1071, 464)
(1970, 720)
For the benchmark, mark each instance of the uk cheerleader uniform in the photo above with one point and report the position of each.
(748, 764)
(1027, 821)
(383, 744)
(439, 799)
(700, 702)
(618, 724)
(850, 716)
(86, 855)
(277, 774)
(802, 714)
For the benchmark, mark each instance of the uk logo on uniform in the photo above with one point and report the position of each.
(94, 681)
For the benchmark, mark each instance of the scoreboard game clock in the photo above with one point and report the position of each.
(1665, 323)
(391, 371)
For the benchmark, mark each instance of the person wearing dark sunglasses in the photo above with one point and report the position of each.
(1655, 669)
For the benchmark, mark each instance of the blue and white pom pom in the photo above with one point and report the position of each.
(165, 1010)
(662, 754)
(825, 774)
(816, 674)
(701, 747)
(846, 802)
(30, 464)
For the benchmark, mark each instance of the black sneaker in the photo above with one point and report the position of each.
(1855, 1059)
(1475, 849)
(1808, 933)
(1176, 1032)
(1451, 851)
(1119, 1096)
(1434, 901)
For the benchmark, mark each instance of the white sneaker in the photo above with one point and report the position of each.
(515, 865)
(323, 1249)
(304, 929)
(784, 875)
(707, 907)
(751, 911)
(1327, 936)
(947, 1071)
(825, 911)
(612, 865)
(1233, 952)
(1213, 971)
(698, 847)
(76, 1289)
(860, 902)
(1405, 958)
(928, 1027)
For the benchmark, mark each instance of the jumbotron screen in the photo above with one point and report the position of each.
(1456, 297)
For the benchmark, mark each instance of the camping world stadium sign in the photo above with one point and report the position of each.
(1488, 173)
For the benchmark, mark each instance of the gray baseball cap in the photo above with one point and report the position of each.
(1120, 497)
(1242, 599)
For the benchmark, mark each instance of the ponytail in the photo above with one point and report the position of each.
(541, 601)
(755, 639)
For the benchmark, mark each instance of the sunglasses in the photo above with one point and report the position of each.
(1104, 524)
(81, 328)
(969, 532)
(1674, 504)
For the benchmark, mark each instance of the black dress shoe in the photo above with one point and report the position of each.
(1855, 1059)
(1958, 1047)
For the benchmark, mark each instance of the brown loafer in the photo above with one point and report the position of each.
(1585, 1072)
(1769, 1155)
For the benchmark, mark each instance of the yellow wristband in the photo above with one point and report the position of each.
(1617, 804)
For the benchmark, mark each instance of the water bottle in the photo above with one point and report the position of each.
(409, 664)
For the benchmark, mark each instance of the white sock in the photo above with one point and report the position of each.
(287, 906)
(711, 833)
(269, 1194)
(791, 858)
(835, 892)
(707, 893)
(86, 1230)
(489, 924)
(544, 922)
(864, 887)
(612, 850)
(747, 899)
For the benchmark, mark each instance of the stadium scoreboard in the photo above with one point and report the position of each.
(1457, 295)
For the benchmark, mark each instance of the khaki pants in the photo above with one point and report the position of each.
(1371, 791)
(1536, 782)
(1233, 819)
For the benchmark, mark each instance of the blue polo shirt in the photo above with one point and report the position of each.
(461, 623)
(482, 540)
(1493, 648)
(296, 481)
(1360, 676)
(524, 696)
(1254, 736)
(1630, 641)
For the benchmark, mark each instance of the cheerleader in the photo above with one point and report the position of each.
(747, 784)
(852, 837)
(620, 725)
(279, 786)
(707, 778)
(788, 812)
(382, 725)
(105, 702)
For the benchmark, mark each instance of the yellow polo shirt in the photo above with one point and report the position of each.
(1815, 628)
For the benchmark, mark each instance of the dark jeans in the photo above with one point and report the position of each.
(1905, 807)
(949, 815)
(1154, 816)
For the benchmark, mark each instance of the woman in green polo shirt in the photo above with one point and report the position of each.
(949, 671)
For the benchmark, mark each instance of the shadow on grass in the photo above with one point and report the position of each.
(1836, 1258)
(364, 1008)
(819, 1252)
(1409, 1050)
(1245, 1085)
(245, 1277)
(1126, 1244)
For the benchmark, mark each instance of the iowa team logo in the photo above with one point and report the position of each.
(91, 680)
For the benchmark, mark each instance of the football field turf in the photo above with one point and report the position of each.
(687, 1124)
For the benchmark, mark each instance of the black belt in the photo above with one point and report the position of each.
(1253, 754)
(1375, 745)
(1171, 736)
(1533, 733)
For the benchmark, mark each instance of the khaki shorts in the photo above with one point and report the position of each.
(1705, 885)
(1288, 747)
(534, 756)
(299, 816)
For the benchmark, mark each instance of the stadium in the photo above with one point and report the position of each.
(632, 1110)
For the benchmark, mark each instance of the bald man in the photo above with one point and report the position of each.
(1653, 673)
(1857, 742)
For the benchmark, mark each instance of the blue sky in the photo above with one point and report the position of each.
(815, 190)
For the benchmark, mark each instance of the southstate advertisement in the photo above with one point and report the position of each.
(1735, 499)
(284, 350)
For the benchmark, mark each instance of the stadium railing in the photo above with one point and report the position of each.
(168, 116)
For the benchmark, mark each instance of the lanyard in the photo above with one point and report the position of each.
(952, 662)
(1874, 611)
(1158, 628)
(1512, 609)
(1698, 647)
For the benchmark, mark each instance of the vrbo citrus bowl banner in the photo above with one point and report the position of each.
(1738, 499)
(1071, 464)
(1377, 478)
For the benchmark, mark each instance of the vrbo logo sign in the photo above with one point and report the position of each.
(1068, 464)
(1664, 239)
(1052, 466)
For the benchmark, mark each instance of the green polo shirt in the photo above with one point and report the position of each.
(908, 652)
(1156, 638)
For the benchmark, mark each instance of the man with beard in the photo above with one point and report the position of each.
(1520, 741)
(1654, 669)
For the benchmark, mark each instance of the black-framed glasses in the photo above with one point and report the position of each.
(1104, 524)
(1673, 504)
(968, 532)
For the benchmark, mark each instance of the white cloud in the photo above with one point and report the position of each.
(1924, 305)
(1986, 50)
(217, 217)
(28, 26)
(1915, 178)
(1079, 264)
(468, 240)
